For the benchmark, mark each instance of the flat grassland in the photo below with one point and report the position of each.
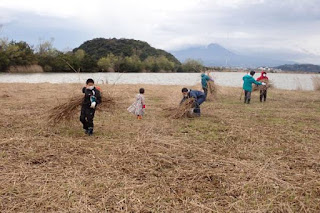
(263, 157)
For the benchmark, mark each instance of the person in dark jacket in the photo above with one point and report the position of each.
(248, 80)
(199, 97)
(92, 98)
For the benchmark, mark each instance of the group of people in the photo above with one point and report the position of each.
(92, 98)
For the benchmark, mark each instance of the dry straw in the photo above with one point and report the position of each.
(184, 110)
(212, 91)
(67, 110)
(316, 83)
(268, 85)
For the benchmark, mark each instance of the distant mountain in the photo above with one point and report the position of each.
(300, 67)
(100, 47)
(216, 55)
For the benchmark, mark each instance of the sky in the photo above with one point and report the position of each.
(281, 29)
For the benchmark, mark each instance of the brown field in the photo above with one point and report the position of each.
(235, 158)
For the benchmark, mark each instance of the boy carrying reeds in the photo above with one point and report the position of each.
(138, 107)
(92, 98)
(199, 97)
(263, 89)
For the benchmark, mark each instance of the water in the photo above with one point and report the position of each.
(280, 80)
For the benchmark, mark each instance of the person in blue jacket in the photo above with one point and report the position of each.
(248, 80)
(204, 82)
(199, 97)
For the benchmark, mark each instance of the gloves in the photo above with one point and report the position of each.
(93, 105)
(144, 106)
(263, 83)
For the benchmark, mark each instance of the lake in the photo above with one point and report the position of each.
(233, 79)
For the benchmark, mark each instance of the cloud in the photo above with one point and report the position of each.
(248, 26)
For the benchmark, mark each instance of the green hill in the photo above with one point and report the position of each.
(300, 67)
(101, 47)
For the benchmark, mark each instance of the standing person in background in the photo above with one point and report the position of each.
(263, 90)
(92, 98)
(138, 107)
(204, 82)
(248, 80)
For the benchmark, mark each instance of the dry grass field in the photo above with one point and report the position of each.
(263, 157)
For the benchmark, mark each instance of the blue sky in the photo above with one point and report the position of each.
(287, 29)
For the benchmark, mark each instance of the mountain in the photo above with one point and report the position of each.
(100, 47)
(216, 55)
(300, 67)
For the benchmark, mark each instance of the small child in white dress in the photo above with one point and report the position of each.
(138, 107)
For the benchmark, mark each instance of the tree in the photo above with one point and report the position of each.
(80, 54)
(20, 53)
(191, 65)
(110, 62)
(45, 47)
(131, 64)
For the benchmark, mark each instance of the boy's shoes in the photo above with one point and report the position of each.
(86, 131)
(90, 131)
(139, 117)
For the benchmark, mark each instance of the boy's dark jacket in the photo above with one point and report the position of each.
(87, 94)
(193, 94)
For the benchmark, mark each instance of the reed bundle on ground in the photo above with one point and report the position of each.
(184, 109)
(66, 111)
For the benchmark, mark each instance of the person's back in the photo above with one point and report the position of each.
(196, 94)
(138, 107)
(204, 82)
(248, 80)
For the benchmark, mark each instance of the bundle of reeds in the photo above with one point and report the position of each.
(66, 111)
(268, 85)
(212, 91)
(184, 109)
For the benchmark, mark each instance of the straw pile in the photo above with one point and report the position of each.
(67, 110)
(316, 83)
(184, 110)
(212, 91)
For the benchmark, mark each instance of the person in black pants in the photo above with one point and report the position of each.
(92, 98)
(263, 95)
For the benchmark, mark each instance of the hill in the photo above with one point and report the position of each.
(216, 55)
(101, 47)
(300, 67)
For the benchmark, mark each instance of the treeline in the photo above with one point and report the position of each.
(14, 53)
(300, 68)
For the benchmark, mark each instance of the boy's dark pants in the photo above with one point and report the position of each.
(200, 100)
(263, 95)
(86, 117)
(247, 96)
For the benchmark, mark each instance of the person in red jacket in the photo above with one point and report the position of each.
(263, 89)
